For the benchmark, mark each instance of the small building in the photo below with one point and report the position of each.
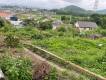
(85, 25)
(56, 24)
(6, 15)
(95, 36)
(11, 17)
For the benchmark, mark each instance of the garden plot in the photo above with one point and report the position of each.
(84, 52)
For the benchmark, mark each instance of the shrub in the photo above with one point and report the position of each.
(65, 19)
(45, 25)
(29, 22)
(42, 70)
(52, 75)
(16, 68)
(37, 36)
(41, 35)
(103, 32)
(61, 29)
(11, 41)
(2, 23)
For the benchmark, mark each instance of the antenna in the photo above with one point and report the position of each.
(96, 5)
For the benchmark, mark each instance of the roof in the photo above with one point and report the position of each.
(57, 22)
(86, 24)
(5, 14)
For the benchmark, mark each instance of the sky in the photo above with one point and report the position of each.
(86, 4)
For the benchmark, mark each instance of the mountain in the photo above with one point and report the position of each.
(102, 11)
(74, 10)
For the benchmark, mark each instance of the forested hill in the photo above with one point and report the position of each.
(74, 10)
(102, 11)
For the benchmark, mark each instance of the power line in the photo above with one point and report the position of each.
(96, 5)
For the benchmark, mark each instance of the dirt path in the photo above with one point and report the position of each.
(36, 59)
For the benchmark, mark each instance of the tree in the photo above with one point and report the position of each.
(73, 20)
(2, 23)
(29, 22)
(103, 22)
(65, 19)
(96, 18)
(45, 25)
(11, 41)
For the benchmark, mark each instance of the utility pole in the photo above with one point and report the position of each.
(96, 5)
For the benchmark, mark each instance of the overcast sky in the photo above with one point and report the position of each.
(87, 4)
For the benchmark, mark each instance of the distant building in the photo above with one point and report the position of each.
(56, 24)
(6, 15)
(11, 18)
(95, 36)
(85, 25)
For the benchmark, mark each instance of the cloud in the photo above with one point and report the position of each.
(73, 1)
(87, 4)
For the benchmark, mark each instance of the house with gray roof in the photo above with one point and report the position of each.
(85, 25)
(56, 24)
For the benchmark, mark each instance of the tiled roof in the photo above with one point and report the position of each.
(5, 14)
(86, 24)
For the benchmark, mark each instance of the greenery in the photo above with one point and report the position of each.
(11, 41)
(45, 25)
(82, 51)
(16, 68)
(52, 75)
(99, 19)
(2, 23)
(29, 22)
(65, 42)
(65, 19)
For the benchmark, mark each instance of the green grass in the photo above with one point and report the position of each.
(82, 51)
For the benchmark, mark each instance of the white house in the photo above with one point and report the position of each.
(85, 25)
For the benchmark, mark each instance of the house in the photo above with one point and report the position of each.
(85, 25)
(6, 15)
(15, 21)
(56, 24)
(11, 18)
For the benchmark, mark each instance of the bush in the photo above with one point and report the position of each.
(52, 75)
(65, 19)
(103, 32)
(61, 29)
(45, 25)
(37, 36)
(41, 35)
(29, 22)
(2, 23)
(16, 68)
(42, 70)
(11, 41)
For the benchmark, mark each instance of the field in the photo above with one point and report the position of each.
(18, 62)
(83, 51)
(64, 42)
